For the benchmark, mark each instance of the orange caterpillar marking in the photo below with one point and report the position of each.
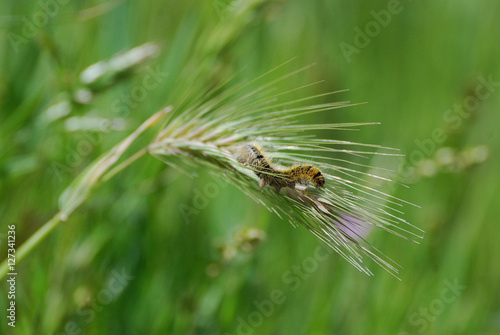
(254, 156)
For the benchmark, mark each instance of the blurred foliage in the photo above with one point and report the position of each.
(127, 262)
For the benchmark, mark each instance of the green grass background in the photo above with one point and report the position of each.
(428, 58)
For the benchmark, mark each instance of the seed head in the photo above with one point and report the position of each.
(258, 142)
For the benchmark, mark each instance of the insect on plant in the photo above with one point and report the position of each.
(224, 131)
(277, 176)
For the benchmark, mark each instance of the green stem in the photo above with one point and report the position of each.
(79, 190)
(123, 165)
(34, 239)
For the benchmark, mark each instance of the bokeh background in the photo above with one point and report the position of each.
(129, 262)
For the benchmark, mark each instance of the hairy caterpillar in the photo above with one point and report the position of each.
(276, 176)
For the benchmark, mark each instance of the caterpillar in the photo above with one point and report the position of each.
(276, 176)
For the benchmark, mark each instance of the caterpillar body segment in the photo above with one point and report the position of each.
(276, 176)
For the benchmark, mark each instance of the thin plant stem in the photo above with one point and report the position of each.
(124, 164)
(80, 189)
(31, 242)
